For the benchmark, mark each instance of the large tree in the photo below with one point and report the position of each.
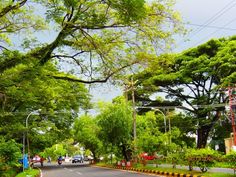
(115, 121)
(32, 90)
(194, 78)
(96, 38)
(86, 131)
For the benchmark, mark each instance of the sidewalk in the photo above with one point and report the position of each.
(216, 170)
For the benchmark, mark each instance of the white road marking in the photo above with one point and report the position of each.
(79, 173)
(71, 170)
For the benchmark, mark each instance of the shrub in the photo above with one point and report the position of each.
(202, 158)
(9, 155)
(231, 159)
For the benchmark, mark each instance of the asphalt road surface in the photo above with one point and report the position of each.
(84, 170)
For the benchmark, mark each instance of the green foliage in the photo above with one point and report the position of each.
(202, 158)
(10, 153)
(191, 78)
(86, 132)
(231, 159)
(115, 122)
(95, 40)
(55, 98)
(54, 152)
(149, 138)
(130, 10)
(96, 29)
(30, 172)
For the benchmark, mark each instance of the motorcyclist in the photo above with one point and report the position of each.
(59, 160)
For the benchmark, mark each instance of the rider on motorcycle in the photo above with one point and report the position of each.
(59, 160)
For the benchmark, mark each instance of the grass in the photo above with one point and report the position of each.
(222, 165)
(182, 171)
(8, 173)
(29, 173)
(176, 170)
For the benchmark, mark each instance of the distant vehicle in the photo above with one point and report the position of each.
(59, 160)
(77, 158)
(145, 156)
(37, 159)
(87, 158)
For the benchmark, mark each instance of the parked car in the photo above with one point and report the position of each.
(77, 158)
(88, 158)
(145, 156)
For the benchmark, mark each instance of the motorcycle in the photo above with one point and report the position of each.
(59, 162)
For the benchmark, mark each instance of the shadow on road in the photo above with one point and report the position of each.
(54, 166)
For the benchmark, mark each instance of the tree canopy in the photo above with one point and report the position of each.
(195, 79)
(86, 132)
(96, 38)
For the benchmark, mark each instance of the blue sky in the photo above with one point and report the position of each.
(218, 15)
(212, 13)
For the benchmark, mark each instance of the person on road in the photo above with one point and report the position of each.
(49, 159)
(59, 160)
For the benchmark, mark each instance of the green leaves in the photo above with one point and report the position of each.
(202, 158)
(193, 78)
(129, 10)
(231, 159)
(115, 122)
(10, 153)
(86, 132)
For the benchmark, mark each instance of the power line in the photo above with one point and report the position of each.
(199, 42)
(215, 16)
(216, 27)
(210, 20)
(181, 107)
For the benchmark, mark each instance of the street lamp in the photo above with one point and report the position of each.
(163, 116)
(35, 112)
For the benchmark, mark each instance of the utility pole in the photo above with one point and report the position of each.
(232, 106)
(169, 124)
(131, 87)
(134, 111)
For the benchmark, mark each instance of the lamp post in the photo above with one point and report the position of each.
(36, 112)
(163, 116)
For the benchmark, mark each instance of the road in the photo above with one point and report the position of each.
(84, 170)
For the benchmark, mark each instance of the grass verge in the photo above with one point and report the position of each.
(29, 173)
(175, 170)
(8, 173)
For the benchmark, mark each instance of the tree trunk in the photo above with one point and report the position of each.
(124, 152)
(203, 131)
(94, 156)
(202, 136)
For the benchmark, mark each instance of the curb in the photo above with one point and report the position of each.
(41, 173)
(156, 172)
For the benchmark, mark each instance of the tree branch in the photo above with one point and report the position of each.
(4, 48)
(102, 80)
(11, 8)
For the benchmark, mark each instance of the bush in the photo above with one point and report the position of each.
(202, 158)
(30, 172)
(231, 159)
(9, 155)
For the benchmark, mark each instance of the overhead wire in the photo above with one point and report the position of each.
(215, 27)
(225, 9)
(215, 16)
(199, 42)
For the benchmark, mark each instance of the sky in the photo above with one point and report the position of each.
(205, 19)
(218, 18)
